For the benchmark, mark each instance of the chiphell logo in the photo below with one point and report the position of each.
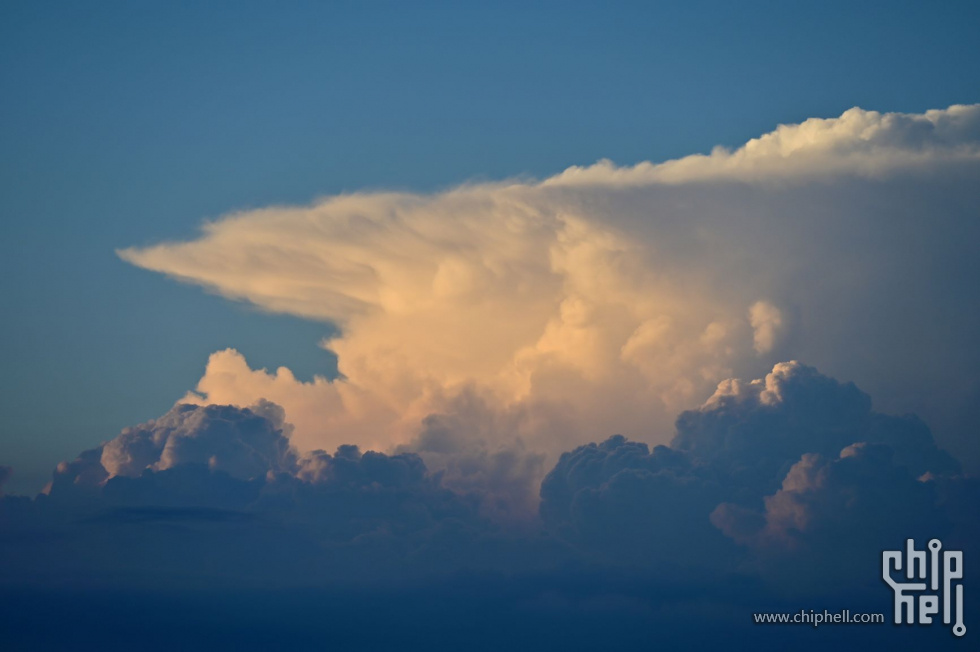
(943, 569)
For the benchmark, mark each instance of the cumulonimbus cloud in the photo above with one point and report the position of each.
(607, 299)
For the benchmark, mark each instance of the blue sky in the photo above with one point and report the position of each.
(126, 124)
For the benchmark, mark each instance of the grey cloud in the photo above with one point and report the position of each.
(795, 465)
(757, 430)
(860, 492)
(244, 443)
(186, 485)
(477, 451)
(76, 484)
(168, 514)
(349, 467)
(827, 524)
(766, 474)
(627, 505)
(959, 499)
(238, 506)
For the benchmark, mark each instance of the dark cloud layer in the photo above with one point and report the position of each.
(221, 497)
(627, 505)
(776, 494)
(792, 466)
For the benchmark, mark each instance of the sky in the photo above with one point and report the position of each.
(506, 304)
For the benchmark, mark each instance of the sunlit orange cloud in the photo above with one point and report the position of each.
(601, 300)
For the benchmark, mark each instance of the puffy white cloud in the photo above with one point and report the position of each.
(608, 299)
(242, 443)
(321, 413)
(859, 142)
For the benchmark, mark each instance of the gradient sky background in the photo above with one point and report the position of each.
(128, 123)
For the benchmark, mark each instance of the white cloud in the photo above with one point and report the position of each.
(767, 321)
(859, 142)
(242, 443)
(607, 299)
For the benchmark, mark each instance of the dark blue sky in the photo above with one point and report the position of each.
(125, 124)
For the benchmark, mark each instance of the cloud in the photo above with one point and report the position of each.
(824, 503)
(489, 333)
(790, 467)
(369, 503)
(766, 321)
(838, 514)
(755, 430)
(859, 142)
(753, 507)
(628, 505)
(80, 479)
(215, 494)
(214, 456)
(350, 467)
(607, 299)
(478, 450)
(321, 413)
(194, 453)
(242, 443)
